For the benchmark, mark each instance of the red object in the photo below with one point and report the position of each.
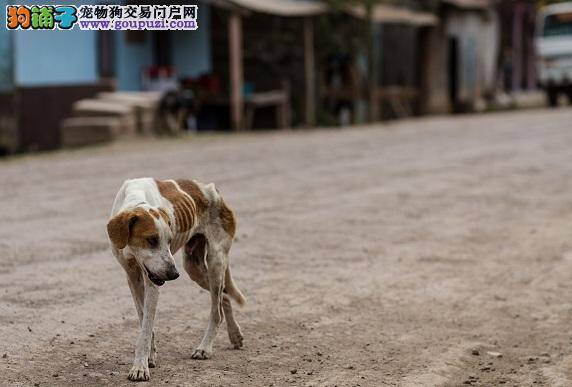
(154, 72)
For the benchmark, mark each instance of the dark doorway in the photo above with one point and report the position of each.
(453, 75)
(106, 54)
(162, 45)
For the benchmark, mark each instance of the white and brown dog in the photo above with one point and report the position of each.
(150, 221)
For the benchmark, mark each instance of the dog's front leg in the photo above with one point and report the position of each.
(136, 281)
(140, 369)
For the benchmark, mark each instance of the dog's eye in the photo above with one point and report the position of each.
(153, 241)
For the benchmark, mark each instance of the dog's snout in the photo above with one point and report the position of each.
(172, 274)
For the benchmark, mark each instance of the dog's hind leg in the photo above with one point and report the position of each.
(137, 287)
(216, 262)
(234, 332)
(194, 260)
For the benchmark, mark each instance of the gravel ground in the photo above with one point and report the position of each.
(425, 252)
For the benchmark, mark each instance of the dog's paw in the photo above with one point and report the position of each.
(139, 373)
(153, 359)
(236, 339)
(201, 354)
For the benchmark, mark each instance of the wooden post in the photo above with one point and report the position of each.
(517, 48)
(309, 68)
(236, 71)
(372, 64)
(530, 50)
(425, 68)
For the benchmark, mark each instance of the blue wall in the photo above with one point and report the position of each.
(6, 58)
(191, 53)
(192, 49)
(130, 60)
(54, 57)
(70, 57)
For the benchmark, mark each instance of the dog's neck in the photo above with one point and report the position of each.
(161, 212)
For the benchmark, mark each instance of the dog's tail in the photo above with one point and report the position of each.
(232, 290)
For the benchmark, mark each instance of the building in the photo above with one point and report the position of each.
(377, 72)
(464, 56)
(43, 72)
(517, 62)
(262, 63)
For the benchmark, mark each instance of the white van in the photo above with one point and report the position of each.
(554, 49)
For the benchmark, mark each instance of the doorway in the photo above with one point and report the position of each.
(162, 48)
(453, 72)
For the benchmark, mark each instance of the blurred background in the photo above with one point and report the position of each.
(432, 251)
(282, 63)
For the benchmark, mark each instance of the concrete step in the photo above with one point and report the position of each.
(82, 131)
(95, 108)
(145, 105)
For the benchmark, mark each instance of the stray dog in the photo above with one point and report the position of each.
(150, 221)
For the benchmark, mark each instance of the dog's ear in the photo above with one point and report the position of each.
(119, 227)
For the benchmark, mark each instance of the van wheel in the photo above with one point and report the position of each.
(552, 98)
(570, 97)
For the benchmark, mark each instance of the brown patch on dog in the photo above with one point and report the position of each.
(191, 188)
(155, 213)
(142, 228)
(118, 229)
(165, 216)
(183, 206)
(227, 219)
(131, 227)
(161, 213)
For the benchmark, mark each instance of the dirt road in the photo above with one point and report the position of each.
(429, 252)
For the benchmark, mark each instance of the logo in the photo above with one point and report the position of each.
(43, 17)
(102, 17)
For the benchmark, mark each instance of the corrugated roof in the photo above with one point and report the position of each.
(383, 13)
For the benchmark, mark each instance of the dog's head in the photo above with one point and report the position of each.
(146, 235)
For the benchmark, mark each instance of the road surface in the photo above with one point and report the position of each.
(425, 252)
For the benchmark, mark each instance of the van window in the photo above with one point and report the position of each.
(558, 24)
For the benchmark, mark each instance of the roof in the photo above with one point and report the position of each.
(469, 4)
(383, 13)
(282, 7)
(557, 8)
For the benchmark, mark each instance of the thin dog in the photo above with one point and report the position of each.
(150, 221)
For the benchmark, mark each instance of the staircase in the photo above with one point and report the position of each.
(109, 116)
